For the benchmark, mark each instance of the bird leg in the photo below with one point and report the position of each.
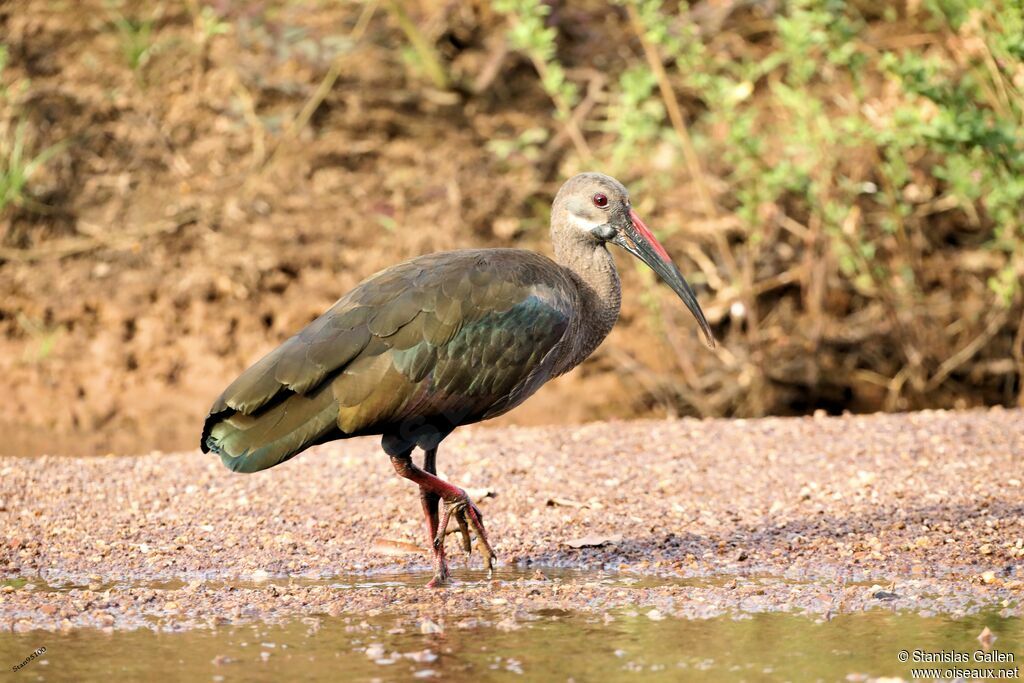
(430, 500)
(456, 503)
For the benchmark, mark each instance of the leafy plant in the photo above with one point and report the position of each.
(527, 144)
(17, 168)
(422, 53)
(635, 115)
(531, 35)
(136, 35)
(44, 339)
(210, 24)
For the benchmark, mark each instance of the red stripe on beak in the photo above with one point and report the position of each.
(646, 233)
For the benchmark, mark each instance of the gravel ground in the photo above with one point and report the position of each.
(919, 511)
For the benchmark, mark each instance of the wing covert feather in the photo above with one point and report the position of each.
(468, 332)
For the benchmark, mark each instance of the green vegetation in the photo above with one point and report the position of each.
(210, 25)
(137, 43)
(842, 181)
(42, 339)
(423, 53)
(17, 164)
(530, 34)
(860, 153)
(17, 168)
(816, 116)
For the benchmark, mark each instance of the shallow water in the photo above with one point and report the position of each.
(381, 579)
(460, 577)
(547, 647)
(553, 645)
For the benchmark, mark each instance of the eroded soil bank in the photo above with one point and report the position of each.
(219, 173)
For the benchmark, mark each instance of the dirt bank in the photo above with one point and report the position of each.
(930, 501)
(220, 172)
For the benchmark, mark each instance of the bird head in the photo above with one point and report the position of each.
(595, 208)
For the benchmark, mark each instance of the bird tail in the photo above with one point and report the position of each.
(273, 434)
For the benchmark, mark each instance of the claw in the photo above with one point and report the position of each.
(467, 544)
(467, 515)
(463, 531)
(442, 527)
(476, 519)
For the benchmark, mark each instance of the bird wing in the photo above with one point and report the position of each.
(460, 336)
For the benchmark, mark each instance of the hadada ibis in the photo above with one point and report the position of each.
(439, 341)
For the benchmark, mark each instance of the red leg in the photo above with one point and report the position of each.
(456, 503)
(430, 501)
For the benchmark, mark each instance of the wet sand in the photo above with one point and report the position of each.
(824, 516)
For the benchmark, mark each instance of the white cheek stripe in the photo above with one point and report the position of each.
(585, 224)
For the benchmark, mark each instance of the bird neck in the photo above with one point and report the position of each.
(600, 294)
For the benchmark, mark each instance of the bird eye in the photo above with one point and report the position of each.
(600, 200)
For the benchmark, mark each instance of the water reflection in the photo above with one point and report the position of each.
(554, 645)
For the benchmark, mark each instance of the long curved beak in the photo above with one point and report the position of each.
(636, 238)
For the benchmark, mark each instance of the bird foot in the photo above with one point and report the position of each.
(466, 515)
(440, 579)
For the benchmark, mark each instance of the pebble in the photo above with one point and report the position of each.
(919, 497)
(427, 626)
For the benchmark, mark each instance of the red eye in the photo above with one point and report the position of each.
(600, 200)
